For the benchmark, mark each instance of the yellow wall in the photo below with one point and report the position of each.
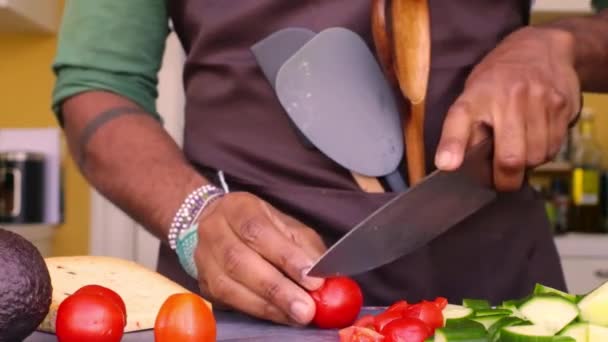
(25, 88)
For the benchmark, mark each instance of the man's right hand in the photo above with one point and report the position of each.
(252, 258)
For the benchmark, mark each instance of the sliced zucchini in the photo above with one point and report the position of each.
(493, 312)
(531, 333)
(496, 328)
(453, 311)
(578, 331)
(488, 321)
(549, 312)
(476, 304)
(597, 333)
(540, 289)
(462, 330)
(594, 306)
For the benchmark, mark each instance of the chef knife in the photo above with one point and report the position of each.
(413, 218)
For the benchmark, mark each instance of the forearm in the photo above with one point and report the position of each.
(130, 159)
(589, 41)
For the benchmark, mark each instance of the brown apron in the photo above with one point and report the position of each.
(235, 123)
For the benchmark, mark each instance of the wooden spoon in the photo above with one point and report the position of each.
(412, 53)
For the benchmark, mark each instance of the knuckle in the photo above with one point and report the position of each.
(537, 89)
(251, 229)
(232, 259)
(512, 162)
(557, 100)
(518, 87)
(219, 287)
(271, 290)
(536, 159)
(460, 108)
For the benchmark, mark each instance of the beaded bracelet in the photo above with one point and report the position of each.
(190, 210)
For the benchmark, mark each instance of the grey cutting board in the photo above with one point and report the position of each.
(235, 327)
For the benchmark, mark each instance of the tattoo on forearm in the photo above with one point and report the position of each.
(99, 121)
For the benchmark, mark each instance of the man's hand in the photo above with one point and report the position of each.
(527, 92)
(252, 258)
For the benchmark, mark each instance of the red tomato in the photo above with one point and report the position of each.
(384, 318)
(184, 317)
(359, 334)
(441, 302)
(338, 303)
(406, 330)
(427, 312)
(107, 293)
(89, 317)
(366, 321)
(399, 306)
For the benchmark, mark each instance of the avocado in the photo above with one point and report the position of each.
(25, 287)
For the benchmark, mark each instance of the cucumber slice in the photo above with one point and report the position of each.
(476, 304)
(531, 333)
(493, 312)
(496, 328)
(594, 306)
(549, 312)
(597, 333)
(540, 289)
(578, 331)
(453, 311)
(488, 321)
(463, 330)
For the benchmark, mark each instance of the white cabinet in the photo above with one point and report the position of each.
(40, 16)
(584, 259)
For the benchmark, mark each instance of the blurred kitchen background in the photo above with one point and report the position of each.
(44, 197)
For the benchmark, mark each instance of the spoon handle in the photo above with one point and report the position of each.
(412, 50)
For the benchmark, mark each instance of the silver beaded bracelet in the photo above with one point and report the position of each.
(190, 210)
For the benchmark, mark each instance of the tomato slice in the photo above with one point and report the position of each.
(406, 330)
(359, 334)
(441, 302)
(366, 321)
(385, 318)
(427, 312)
(399, 306)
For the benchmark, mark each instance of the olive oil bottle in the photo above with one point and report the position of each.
(586, 158)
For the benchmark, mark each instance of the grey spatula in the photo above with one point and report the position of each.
(271, 53)
(336, 94)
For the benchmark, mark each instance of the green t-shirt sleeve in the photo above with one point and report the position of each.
(111, 45)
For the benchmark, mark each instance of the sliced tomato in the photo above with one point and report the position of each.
(385, 318)
(398, 306)
(406, 330)
(366, 321)
(441, 302)
(427, 312)
(359, 334)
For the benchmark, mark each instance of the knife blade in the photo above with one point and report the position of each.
(413, 218)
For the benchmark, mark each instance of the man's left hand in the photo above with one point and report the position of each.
(527, 92)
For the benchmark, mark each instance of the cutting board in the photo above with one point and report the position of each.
(236, 327)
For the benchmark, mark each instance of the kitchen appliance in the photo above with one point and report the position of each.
(22, 184)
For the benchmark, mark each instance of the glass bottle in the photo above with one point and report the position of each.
(586, 158)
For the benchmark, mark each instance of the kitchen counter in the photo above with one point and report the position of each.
(236, 327)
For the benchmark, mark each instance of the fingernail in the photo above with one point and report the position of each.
(314, 283)
(300, 312)
(444, 159)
